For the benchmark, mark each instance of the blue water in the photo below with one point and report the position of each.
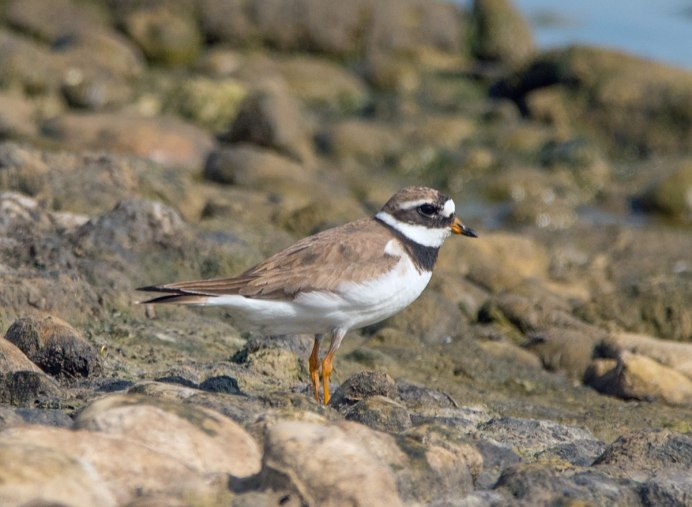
(656, 29)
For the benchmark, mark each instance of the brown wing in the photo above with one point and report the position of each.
(354, 250)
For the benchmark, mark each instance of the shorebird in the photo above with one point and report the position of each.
(339, 279)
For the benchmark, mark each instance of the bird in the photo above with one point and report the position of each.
(343, 278)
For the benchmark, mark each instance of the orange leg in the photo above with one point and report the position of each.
(314, 366)
(337, 336)
(326, 373)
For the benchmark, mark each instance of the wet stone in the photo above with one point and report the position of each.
(55, 346)
(380, 413)
(363, 385)
(220, 384)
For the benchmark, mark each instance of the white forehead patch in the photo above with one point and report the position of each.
(449, 208)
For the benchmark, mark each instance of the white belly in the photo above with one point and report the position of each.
(351, 306)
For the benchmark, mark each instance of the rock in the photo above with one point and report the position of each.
(323, 84)
(55, 346)
(432, 317)
(36, 475)
(535, 484)
(648, 453)
(249, 166)
(337, 28)
(531, 437)
(28, 389)
(205, 441)
(421, 397)
(565, 349)
(82, 182)
(634, 376)
(672, 490)
(500, 33)
(671, 194)
(165, 140)
(118, 468)
(133, 225)
(270, 117)
(12, 359)
(675, 355)
(367, 141)
(654, 305)
(437, 459)
(634, 106)
(364, 385)
(211, 103)
(56, 20)
(166, 35)
(498, 262)
(17, 117)
(27, 65)
(323, 465)
(380, 413)
(220, 384)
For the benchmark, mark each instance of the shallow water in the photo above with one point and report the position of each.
(659, 30)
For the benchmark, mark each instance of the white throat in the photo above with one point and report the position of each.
(417, 233)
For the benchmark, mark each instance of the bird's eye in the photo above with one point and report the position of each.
(427, 210)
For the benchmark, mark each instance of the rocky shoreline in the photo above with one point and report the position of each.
(549, 362)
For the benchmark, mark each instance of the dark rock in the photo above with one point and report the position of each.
(500, 33)
(28, 389)
(176, 379)
(272, 118)
(648, 452)
(579, 453)
(415, 396)
(634, 106)
(45, 416)
(115, 385)
(536, 484)
(658, 306)
(669, 194)
(363, 385)
(220, 384)
(55, 346)
(496, 459)
(637, 377)
(380, 413)
(674, 490)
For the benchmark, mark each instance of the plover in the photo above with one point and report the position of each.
(339, 279)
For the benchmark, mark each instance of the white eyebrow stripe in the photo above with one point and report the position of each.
(413, 204)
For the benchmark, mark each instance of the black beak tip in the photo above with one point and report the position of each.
(467, 231)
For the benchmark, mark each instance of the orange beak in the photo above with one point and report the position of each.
(459, 228)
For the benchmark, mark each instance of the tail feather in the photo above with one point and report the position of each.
(173, 295)
(180, 299)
